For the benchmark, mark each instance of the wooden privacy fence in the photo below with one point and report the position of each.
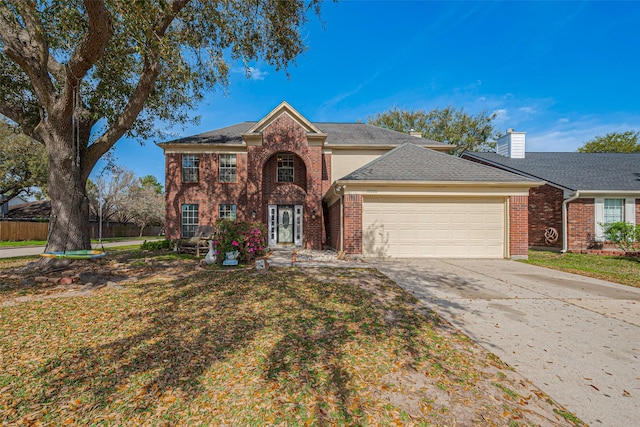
(23, 230)
(30, 230)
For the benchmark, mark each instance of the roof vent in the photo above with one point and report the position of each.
(415, 133)
(512, 144)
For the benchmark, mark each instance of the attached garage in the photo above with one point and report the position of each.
(473, 227)
(413, 202)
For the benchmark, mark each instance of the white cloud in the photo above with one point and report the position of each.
(501, 114)
(257, 73)
(569, 135)
(252, 73)
(527, 110)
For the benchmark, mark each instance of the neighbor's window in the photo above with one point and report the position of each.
(189, 220)
(285, 167)
(227, 212)
(190, 163)
(613, 210)
(227, 169)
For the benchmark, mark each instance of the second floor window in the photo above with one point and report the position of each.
(190, 164)
(285, 167)
(227, 170)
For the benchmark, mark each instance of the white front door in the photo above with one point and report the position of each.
(285, 225)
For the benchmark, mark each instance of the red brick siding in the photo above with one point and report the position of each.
(581, 224)
(518, 234)
(333, 225)
(587, 244)
(285, 135)
(545, 210)
(207, 193)
(353, 223)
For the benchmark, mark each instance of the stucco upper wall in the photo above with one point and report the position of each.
(343, 162)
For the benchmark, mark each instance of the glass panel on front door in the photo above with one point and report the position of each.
(285, 224)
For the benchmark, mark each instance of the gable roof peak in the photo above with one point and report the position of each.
(283, 108)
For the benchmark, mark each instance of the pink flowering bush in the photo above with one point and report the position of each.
(248, 238)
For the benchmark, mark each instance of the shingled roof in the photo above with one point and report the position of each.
(574, 171)
(410, 162)
(337, 134)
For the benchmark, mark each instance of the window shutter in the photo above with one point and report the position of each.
(599, 218)
(630, 210)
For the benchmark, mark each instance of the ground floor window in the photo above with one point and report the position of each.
(613, 210)
(227, 212)
(189, 220)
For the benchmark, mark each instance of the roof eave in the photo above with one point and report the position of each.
(385, 183)
(437, 147)
(186, 146)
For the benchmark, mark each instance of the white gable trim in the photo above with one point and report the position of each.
(284, 108)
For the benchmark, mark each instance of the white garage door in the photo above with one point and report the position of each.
(433, 227)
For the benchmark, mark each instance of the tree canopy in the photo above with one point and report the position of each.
(79, 75)
(449, 125)
(613, 142)
(23, 164)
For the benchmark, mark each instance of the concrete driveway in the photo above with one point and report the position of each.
(576, 338)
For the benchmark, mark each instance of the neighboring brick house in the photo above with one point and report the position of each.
(583, 191)
(350, 186)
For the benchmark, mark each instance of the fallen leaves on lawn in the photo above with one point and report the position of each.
(233, 347)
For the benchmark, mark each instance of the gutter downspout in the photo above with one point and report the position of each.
(335, 191)
(565, 232)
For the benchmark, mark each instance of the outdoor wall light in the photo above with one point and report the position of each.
(313, 214)
(253, 214)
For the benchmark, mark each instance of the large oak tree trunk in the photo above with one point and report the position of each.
(69, 221)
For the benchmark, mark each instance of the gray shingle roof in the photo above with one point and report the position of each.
(576, 171)
(227, 135)
(365, 134)
(337, 134)
(410, 162)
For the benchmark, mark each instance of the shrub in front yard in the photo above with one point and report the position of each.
(156, 245)
(625, 235)
(248, 238)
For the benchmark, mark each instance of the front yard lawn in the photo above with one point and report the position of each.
(172, 344)
(612, 268)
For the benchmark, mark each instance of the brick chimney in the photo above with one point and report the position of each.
(512, 144)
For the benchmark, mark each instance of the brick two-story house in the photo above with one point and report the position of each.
(350, 186)
(583, 191)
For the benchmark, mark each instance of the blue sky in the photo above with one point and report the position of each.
(563, 72)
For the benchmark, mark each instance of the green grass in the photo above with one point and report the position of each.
(20, 243)
(624, 270)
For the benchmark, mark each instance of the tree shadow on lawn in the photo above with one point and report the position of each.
(184, 328)
(197, 324)
(342, 308)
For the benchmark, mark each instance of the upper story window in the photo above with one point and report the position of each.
(285, 167)
(613, 210)
(190, 165)
(227, 169)
(189, 220)
(227, 212)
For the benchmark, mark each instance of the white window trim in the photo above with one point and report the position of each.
(629, 212)
(192, 170)
(230, 167)
(230, 208)
(289, 157)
